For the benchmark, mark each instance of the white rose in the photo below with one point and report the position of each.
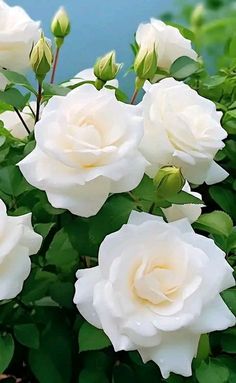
(169, 43)
(190, 211)
(182, 128)
(13, 123)
(87, 147)
(155, 295)
(88, 75)
(17, 35)
(18, 241)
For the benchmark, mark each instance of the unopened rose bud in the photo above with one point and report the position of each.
(41, 58)
(197, 16)
(60, 26)
(168, 181)
(106, 68)
(145, 64)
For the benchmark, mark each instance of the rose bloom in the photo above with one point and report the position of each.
(169, 43)
(183, 129)
(17, 35)
(88, 75)
(155, 295)
(13, 123)
(87, 147)
(190, 211)
(18, 241)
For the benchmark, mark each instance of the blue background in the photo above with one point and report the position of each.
(98, 26)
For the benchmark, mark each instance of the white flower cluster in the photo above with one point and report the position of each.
(148, 293)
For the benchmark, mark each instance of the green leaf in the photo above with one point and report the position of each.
(123, 373)
(225, 198)
(44, 228)
(6, 351)
(14, 98)
(183, 67)
(111, 217)
(175, 379)
(12, 182)
(229, 362)
(145, 190)
(213, 81)
(52, 362)
(90, 376)
(62, 293)
(229, 297)
(27, 334)
(228, 340)
(19, 79)
(231, 242)
(229, 121)
(183, 198)
(37, 285)
(52, 90)
(98, 360)
(61, 252)
(217, 222)
(212, 372)
(203, 348)
(91, 338)
(43, 367)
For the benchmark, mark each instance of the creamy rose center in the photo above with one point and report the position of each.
(160, 279)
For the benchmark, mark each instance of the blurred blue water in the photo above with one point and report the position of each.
(97, 27)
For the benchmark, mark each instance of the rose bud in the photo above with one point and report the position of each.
(106, 69)
(145, 64)
(168, 181)
(60, 26)
(41, 58)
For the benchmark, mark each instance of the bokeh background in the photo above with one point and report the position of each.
(99, 26)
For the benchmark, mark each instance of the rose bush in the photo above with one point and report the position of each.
(135, 194)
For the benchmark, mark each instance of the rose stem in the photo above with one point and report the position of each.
(39, 97)
(32, 111)
(22, 120)
(55, 65)
(132, 101)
